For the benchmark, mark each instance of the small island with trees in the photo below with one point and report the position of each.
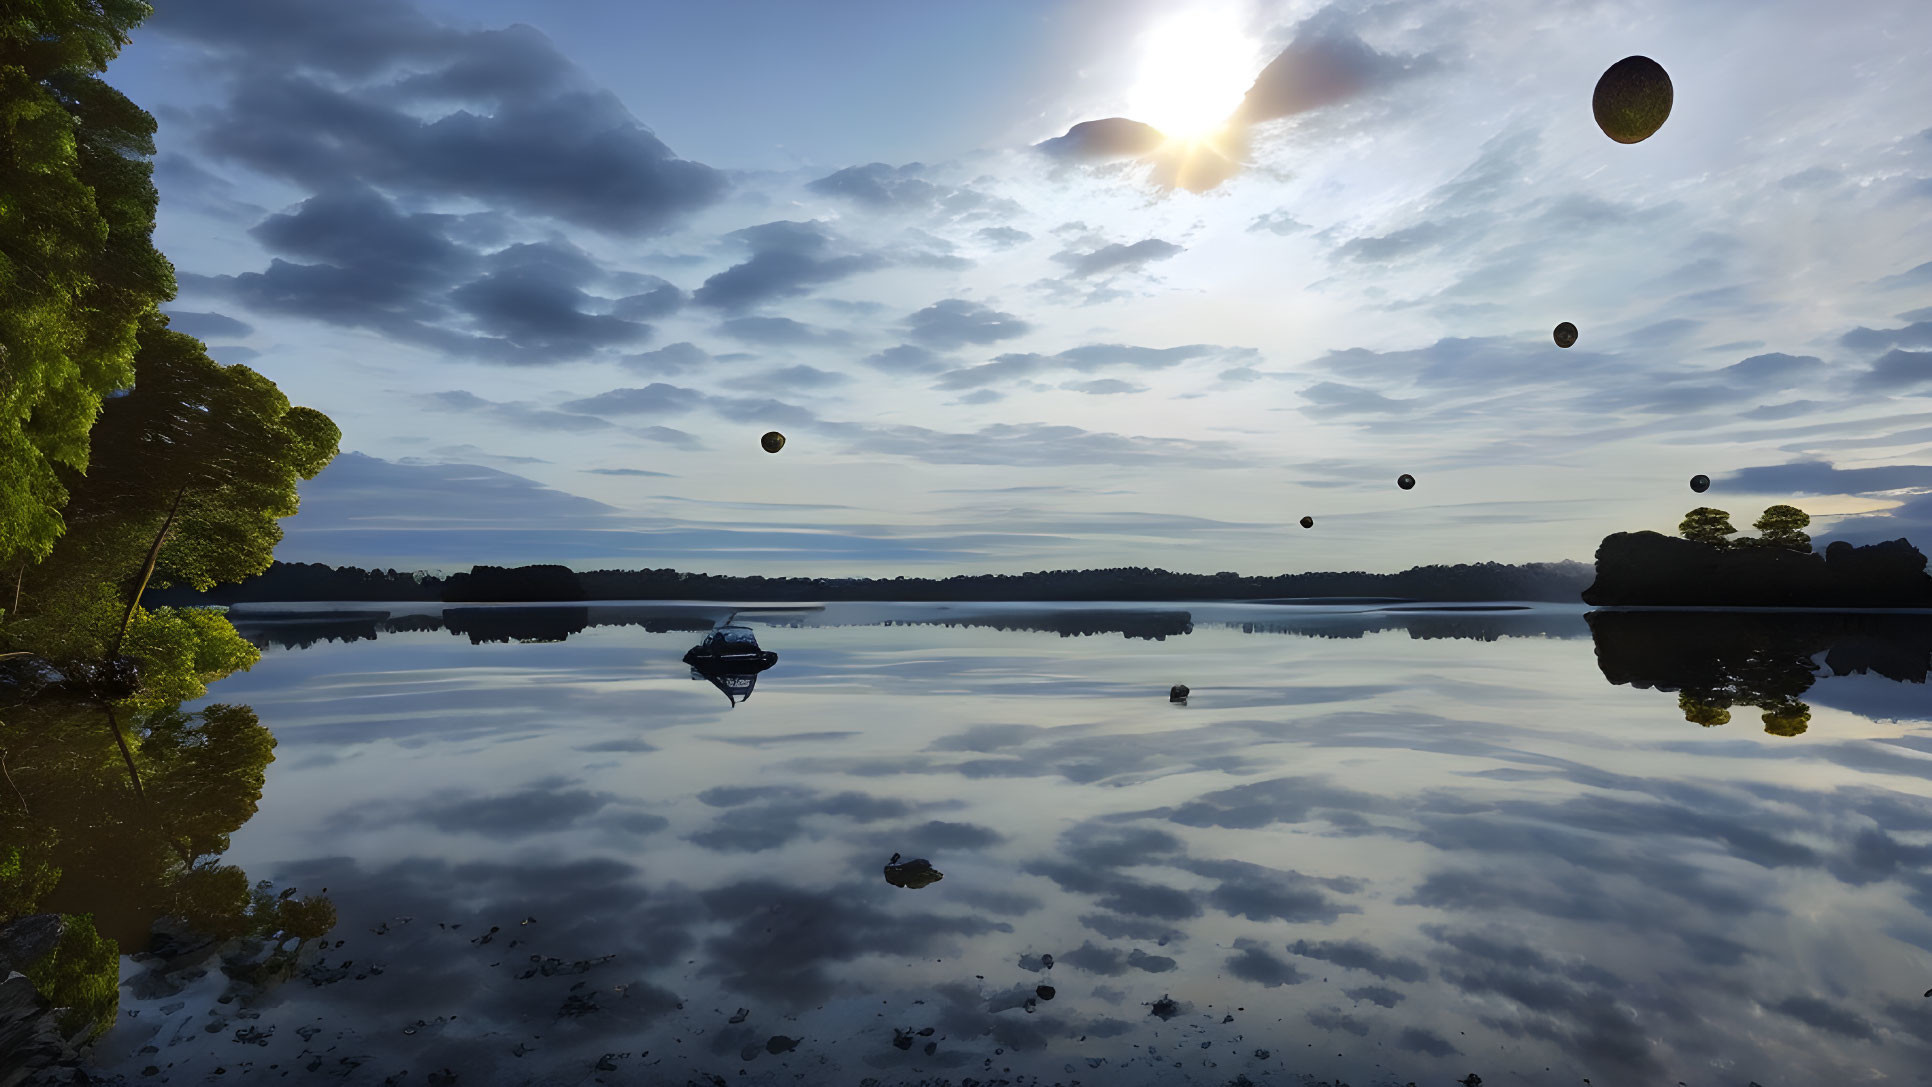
(1703, 566)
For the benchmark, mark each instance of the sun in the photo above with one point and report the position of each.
(1194, 68)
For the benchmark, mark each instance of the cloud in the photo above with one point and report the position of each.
(1255, 964)
(656, 398)
(327, 94)
(788, 258)
(801, 377)
(1002, 236)
(778, 331)
(1333, 397)
(1357, 955)
(521, 414)
(1110, 257)
(1899, 370)
(955, 322)
(628, 472)
(1106, 138)
(672, 358)
(1819, 477)
(207, 326)
(877, 185)
(530, 295)
(906, 358)
(1106, 386)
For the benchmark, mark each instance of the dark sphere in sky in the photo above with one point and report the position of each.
(1632, 99)
(773, 441)
(1405, 481)
(1700, 483)
(1308, 522)
(1565, 334)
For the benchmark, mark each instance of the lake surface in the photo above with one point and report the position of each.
(1372, 846)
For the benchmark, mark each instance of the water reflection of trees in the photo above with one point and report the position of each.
(1716, 661)
(550, 624)
(120, 815)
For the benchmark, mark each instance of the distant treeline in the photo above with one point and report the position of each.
(283, 581)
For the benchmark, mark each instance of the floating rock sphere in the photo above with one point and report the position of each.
(1308, 522)
(1632, 99)
(1565, 334)
(1405, 481)
(1176, 693)
(773, 441)
(1700, 483)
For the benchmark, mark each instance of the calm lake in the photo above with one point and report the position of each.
(1371, 847)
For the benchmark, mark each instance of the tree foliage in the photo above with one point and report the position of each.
(78, 268)
(82, 975)
(1784, 526)
(1707, 526)
(190, 472)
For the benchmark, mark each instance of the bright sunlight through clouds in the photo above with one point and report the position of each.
(1194, 68)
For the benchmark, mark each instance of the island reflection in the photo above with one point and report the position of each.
(1717, 661)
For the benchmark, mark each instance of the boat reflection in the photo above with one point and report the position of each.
(730, 658)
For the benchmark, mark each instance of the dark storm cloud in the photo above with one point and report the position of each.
(1255, 964)
(1106, 138)
(1330, 1019)
(1417, 1040)
(1819, 477)
(530, 295)
(207, 326)
(1379, 995)
(656, 398)
(355, 487)
(1357, 955)
(1899, 370)
(955, 322)
(516, 413)
(1110, 257)
(1918, 276)
(672, 358)
(1112, 962)
(334, 92)
(877, 185)
(787, 259)
(1824, 1016)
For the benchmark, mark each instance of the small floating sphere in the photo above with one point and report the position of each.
(1700, 483)
(1565, 334)
(773, 441)
(1632, 99)
(1308, 522)
(1405, 481)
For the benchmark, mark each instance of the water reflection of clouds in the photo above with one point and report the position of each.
(1398, 866)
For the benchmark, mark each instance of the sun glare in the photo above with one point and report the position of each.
(1193, 72)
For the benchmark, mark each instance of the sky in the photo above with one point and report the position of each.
(554, 267)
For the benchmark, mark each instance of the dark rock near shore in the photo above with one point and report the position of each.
(1651, 569)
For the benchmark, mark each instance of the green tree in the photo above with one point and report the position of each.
(1783, 526)
(1703, 711)
(1707, 526)
(190, 472)
(78, 268)
(82, 975)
